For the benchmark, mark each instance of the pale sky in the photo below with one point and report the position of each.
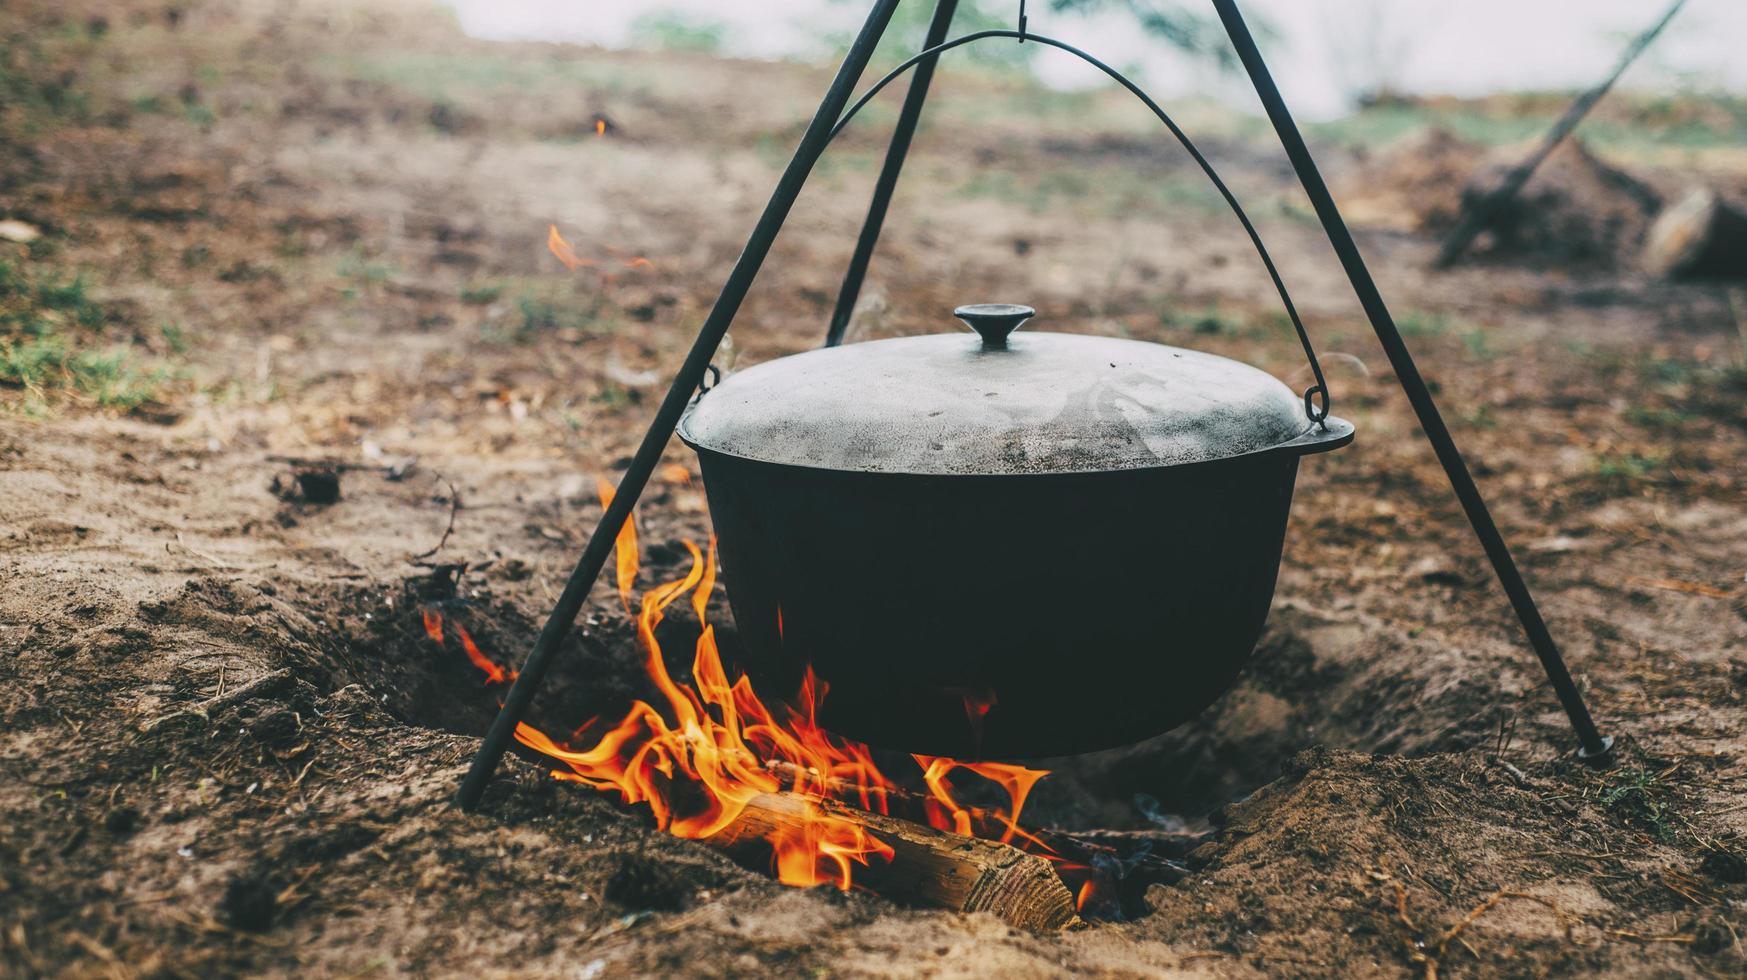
(1327, 49)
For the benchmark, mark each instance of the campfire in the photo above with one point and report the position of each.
(714, 763)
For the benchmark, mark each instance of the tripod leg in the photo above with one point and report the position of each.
(1593, 746)
(882, 196)
(691, 373)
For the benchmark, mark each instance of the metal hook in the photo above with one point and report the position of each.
(1316, 405)
(706, 386)
(1023, 20)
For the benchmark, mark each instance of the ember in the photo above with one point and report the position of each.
(718, 736)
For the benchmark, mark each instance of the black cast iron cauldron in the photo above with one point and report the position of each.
(1007, 548)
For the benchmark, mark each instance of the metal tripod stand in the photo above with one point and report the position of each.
(1592, 745)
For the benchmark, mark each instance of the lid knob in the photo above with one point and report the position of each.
(994, 321)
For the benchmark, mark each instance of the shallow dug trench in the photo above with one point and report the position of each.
(1316, 678)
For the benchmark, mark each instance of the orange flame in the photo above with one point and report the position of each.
(718, 736)
(566, 253)
(494, 673)
(434, 626)
(945, 813)
(624, 547)
(560, 248)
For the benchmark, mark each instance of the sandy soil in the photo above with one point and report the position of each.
(341, 218)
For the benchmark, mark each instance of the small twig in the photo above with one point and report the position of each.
(1623, 934)
(454, 505)
(1522, 778)
(145, 899)
(1677, 585)
(1468, 920)
(337, 466)
(234, 696)
(203, 556)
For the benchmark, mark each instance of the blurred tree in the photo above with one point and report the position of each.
(1171, 21)
(673, 30)
(1188, 30)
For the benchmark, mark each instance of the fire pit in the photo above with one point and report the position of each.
(927, 521)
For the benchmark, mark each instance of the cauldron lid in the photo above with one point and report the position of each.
(954, 404)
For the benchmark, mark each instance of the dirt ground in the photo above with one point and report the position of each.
(317, 232)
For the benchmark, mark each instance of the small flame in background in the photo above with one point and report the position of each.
(718, 736)
(609, 268)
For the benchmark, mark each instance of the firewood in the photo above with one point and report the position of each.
(1165, 843)
(1700, 237)
(1147, 854)
(929, 867)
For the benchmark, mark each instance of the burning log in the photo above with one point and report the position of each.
(928, 866)
(1146, 854)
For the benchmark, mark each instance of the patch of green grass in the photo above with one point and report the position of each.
(614, 396)
(1655, 417)
(27, 298)
(1478, 344)
(1686, 121)
(1100, 192)
(541, 315)
(1481, 417)
(482, 294)
(364, 274)
(1210, 321)
(535, 308)
(1385, 124)
(200, 114)
(462, 78)
(151, 105)
(1420, 323)
(45, 322)
(1664, 371)
(673, 30)
(1635, 798)
(1628, 467)
(110, 378)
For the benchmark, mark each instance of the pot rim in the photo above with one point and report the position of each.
(1314, 439)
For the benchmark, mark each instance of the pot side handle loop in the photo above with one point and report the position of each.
(1316, 397)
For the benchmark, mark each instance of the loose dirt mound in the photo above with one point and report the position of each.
(1575, 210)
